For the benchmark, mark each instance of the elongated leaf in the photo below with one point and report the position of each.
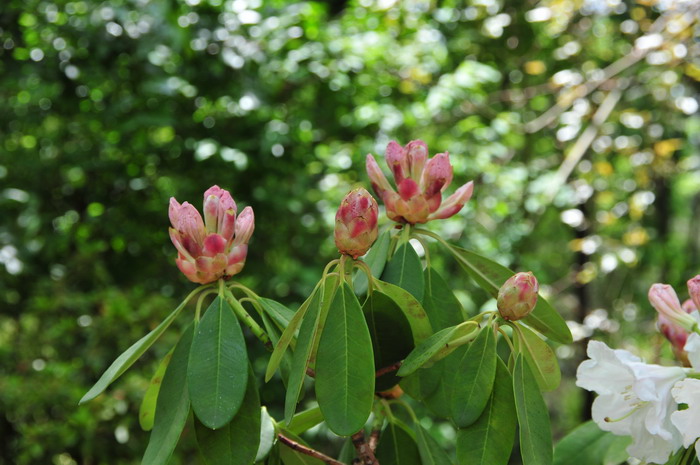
(289, 333)
(425, 350)
(397, 447)
(589, 445)
(345, 366)
(267, 435)
(172, 407)
(405, 270)
(129, 356)
(274, 332)
(540, 357)
(391, 335)
(439, 301)
(376, 260)
(430, 451)
(411, 308)
(305, 420)
(308, 336)
(533, 417)
(280, 314)
(490, 439)
(236, 443)
(490, 275)
(474, 379)
(347, 452)
(147, 411)
(218, 370)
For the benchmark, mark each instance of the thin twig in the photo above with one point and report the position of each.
(389, 369)
(364, 452)
(307, 450)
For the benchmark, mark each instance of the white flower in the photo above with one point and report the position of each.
(634, 400)
(692, 347)
(687, 421)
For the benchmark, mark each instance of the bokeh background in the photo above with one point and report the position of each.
(577, 120)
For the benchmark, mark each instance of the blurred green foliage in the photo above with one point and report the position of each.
(109, 108)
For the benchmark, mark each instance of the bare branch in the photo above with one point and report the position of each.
(307, 450)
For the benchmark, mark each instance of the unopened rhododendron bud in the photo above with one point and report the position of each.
(356, 223)
(664, 299)
(518, 296)
(694, 290)
(420, 183)
(216, 247)
(676, 334)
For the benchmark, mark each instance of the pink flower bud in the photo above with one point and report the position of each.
(664, 299)
(216, 247)
(356, 223)
(420, 183)
(518, 296)
(694, 290)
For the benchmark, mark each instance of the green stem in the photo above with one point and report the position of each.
(387, 409)
(506, 337)
(248, 320)
(248, 291)
(425, 248)
(406, 407)
(198, 310)
(370, 279)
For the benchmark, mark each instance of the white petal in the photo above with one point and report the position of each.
(692, 346)
(687, 421)
(651, 448)
(605, 372)
(613, 407)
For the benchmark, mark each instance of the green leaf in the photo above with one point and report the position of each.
(347, 452)
(397, 447)
(439, 301)
(129, 356)
(305, 420)
(172, 407)
(533, 417)
(430, 451)
(290, 332)
(267, 435)
(541, 358)
(490, 439)
(589, 445)
(218, 370)
(345, 366)
(411, 308)
(405, 270)
(147, 411)
(474, 379)
(376, 260)
(237, 442)
(280, 314)
(426, 349)
(308, 335)
(391, 335)
(274, 333)
(490, 275)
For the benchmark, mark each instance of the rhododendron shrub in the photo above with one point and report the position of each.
(381, 332)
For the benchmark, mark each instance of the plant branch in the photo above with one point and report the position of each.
(307, 450)
(363, 449)
(389, 369)
(248, 320)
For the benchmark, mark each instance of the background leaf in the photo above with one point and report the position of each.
(237, 442)
(533, 417)
(490, 439)
(173, 405)
(431, 453)
(589, 445)
(406, 271)
(541, 358)
(217, 374)
(397, 447)
(391, 335)
(474, 379)
(439, 301)
(345, 366)
(147, 411)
